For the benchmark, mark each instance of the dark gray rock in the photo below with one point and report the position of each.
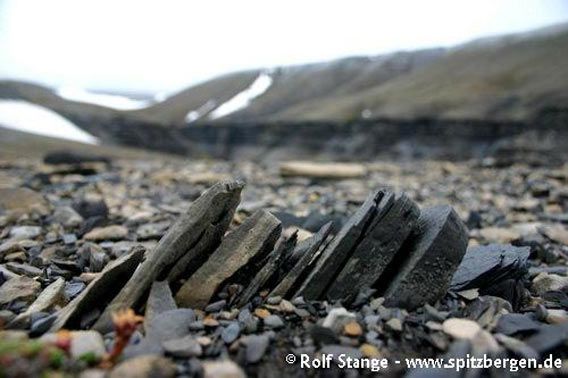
(160, 300)
(256, 346)
(170, 324)
(428, 262)
(74, 288)
(98, 290)
(183, 347)
(41, 325)
(291, 281)
(216, 306)
(486, 266)
(380, 245)
(269, 270)
(273, 322)
(245, 247)
(335, 255)
(510, 324)
(231, 332)
(73, 157)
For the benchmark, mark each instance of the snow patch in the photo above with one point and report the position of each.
(194, 115)
(108, 100)
(35, 119)
(244, 98)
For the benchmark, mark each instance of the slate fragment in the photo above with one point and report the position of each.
(247, 245)
(510, 324)
(334, 256)
(269, 270)
(549, 338)
(160, 300)
(214, 207)
(432, 257)
(379, 247)
(487, 267)
(286, 286)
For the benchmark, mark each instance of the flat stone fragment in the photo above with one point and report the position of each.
(461, 328)
(322, 170)
(247, 244)
(144, 367)
(265, 273)
(98, 290)
(286, 286)
(214, 206)
(160, 300)
(431, 259)
(115, 232)
(19, 288)
(23, 201)
(50, 296)
(378, 248)
(486, 266)
(224, 368)
(549, 338)
(337, 252)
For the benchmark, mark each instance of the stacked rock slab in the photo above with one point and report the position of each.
(253, 240)
(388, 245)
(433, 255)
(195, 233)
(338, 251)
(294, 276)
(378, 248)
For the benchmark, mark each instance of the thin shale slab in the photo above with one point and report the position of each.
(214, 207)
(248, 244)
(264, 275)
(286, 285)
(93, 296)
(338, 251)
(378, 248)
(433, 256)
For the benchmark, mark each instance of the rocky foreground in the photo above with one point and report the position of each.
(134, 268)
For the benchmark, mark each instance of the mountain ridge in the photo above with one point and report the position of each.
(510, 77)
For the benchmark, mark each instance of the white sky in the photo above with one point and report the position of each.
(164, 45)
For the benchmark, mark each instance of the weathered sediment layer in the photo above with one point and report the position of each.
(540, 138)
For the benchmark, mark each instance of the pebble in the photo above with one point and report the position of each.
(144, 367)
(262, 313)
(115, 232)
(222, 369)
(19, 288)
(461, 328)
(545, 282)
(256, 346)
(394, 324)
(184, 347)
(216, 306)
(231, 332)
(67, 216)
(170, 324)
(352, 329)
(25, 232)
(273, 322)
(337, 318)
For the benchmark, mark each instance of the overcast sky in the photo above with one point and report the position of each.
(163, 45)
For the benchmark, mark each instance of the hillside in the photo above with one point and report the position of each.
(510, 77)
